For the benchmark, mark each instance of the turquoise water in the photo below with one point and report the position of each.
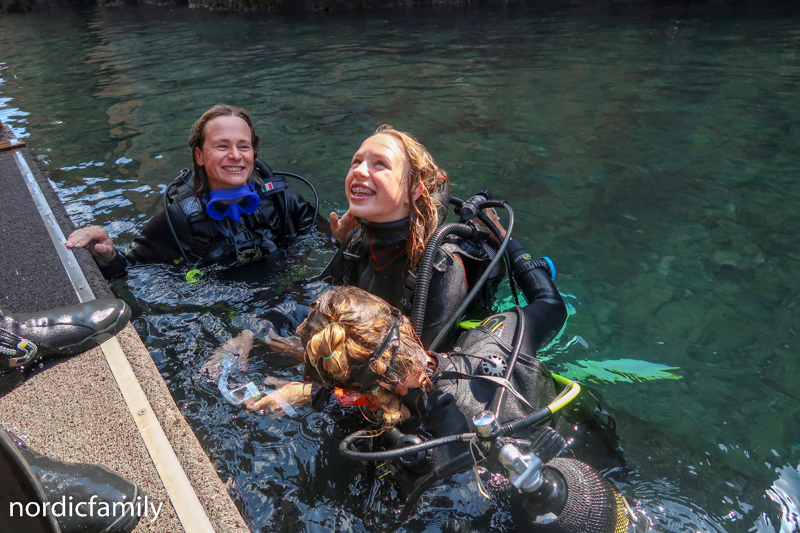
(652, 152)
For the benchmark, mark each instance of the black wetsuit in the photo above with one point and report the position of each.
(382, 270)
(209, 241)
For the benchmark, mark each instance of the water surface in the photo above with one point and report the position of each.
(652, 152)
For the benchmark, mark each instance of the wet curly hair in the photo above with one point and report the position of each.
(341, 335)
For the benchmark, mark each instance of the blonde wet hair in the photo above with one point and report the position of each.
(341, 334)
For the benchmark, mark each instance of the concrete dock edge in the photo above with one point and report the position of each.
(74, 410)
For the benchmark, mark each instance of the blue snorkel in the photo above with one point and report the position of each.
(232, 203)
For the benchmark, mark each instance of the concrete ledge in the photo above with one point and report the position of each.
(74, 410)
(204, 479)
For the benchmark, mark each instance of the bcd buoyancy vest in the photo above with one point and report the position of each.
(250, 236)
(476, 254)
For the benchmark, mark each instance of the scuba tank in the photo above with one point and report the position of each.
(573, 498)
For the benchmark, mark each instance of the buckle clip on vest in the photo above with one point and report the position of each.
(409, 288)
(23, 352)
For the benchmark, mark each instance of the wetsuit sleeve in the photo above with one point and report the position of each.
(546, 311)
(117, 268)
(301, 211)
(448, 289)
(155, 244)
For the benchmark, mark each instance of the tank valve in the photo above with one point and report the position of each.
(524, 471)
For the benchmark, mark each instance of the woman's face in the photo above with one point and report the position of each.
(412, 380)
(377, 183)
(227, 154)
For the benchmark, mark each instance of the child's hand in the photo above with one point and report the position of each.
(295, 393)
(340, 227)
(287, 345)
(238, 347)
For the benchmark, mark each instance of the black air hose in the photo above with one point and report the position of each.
(169, 221)
(425, 270)
(344, 446)
(500, 395)
(471, 296)
(313, 189)
(454, 466)
(488, 223)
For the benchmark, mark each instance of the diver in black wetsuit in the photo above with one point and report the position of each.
(366, 351)
(398, 197)
(236, 210)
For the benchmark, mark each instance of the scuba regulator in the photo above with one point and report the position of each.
(551, 494)
(467, 210)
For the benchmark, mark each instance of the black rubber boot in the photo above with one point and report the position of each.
(26, 338)
(20, 490)
(109, 502)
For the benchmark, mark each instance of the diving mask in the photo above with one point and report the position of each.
(232, 203)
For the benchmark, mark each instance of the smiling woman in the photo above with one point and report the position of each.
(375, 183)
(236, 209)
(397, 197)
(224, 147)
